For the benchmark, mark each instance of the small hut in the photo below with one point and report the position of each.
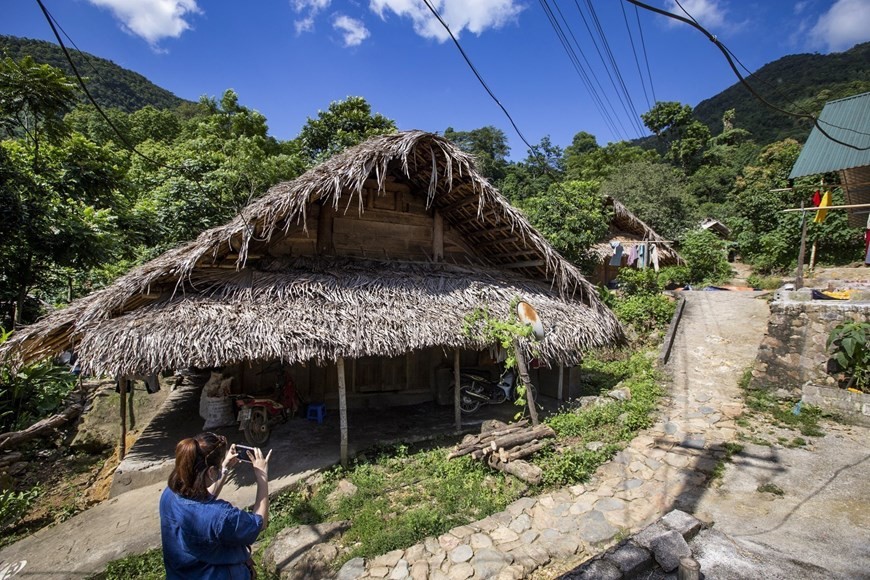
(357, 278)
(627, 231)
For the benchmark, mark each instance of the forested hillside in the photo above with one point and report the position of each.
(111, 85)
(801, 83)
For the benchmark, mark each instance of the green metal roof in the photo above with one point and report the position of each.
(844, 119)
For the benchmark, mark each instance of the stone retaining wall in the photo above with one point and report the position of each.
(793, 351)
(854, 407)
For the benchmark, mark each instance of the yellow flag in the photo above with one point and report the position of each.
(822, 213)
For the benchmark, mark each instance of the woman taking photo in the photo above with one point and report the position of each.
(203, 536)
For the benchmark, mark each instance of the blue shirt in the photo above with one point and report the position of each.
(205, 539)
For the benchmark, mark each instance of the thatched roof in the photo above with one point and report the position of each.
(214, 301)
(627, 228)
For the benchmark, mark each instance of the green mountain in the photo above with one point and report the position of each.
(799, 83)
(112, 86)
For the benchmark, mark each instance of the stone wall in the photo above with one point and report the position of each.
(793, 352)
(854, 407)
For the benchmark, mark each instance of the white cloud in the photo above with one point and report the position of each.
(309, 9)
(708, 13)
(476, 16)
(152, 20)
(844, 25)
(353, 30)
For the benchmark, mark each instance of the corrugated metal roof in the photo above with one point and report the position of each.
(847, 120)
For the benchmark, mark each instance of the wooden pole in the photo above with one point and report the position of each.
(122, 387)
(524, 377)
(342, 409)
(457, 412)
(799, 275)
(561, 382)
(813, 256)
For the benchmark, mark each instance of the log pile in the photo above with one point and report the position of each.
(45, 427)
(505, 448)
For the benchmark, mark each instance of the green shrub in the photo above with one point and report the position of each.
(14, 505)
(147, 566)
(706, 257)
(764, 282)
(850, 342)
(635, 282)
(674, 275)
(645, 311)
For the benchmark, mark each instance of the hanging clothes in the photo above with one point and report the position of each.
(817, 198)
(867, 242)
(641, 256)
(616, 259)
(632, 255)
(822, 213)
(654, 256)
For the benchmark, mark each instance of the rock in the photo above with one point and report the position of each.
(461, 571)
(400, 572)
(480, 540)
(521, 523)
(488, 563)
(303, 551)
(420, 571)
(344, 489)
(679, 521)
(596, 570)
(388, 560)
(461, 553)
(609, 503)
(621, 394)
(352, 569)
(594, 529)
(630, 558)
(668, 548)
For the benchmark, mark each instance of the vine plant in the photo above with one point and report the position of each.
(482, 325)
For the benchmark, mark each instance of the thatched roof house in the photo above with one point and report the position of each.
(627, 229)
(377, 255)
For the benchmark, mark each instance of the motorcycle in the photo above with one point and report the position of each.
(258, 415)
(476, 390)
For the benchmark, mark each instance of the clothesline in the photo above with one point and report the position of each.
(815, 208)
(822, 186)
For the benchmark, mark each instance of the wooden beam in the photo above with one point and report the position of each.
(457, 412)
(479, 232)
(465, 201)
(559, 391)
(438, 237)
(342, 409)
(523, 373)
(526, 264)
(325, 245)
(122, 388)
(508, 240)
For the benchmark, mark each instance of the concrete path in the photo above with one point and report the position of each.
(667, 466)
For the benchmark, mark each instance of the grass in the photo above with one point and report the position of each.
(405, 494)
(770, 488)
(731, 449)
(786, 414)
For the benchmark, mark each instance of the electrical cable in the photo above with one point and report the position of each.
(635, 115)
(634, 53)
(645, 56)
(584, 75)
(476, 73)
(178, 169)
(743, 81)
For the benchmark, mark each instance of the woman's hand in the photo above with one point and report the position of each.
(260, 463)
(231, 459)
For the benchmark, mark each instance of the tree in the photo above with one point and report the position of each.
(657, 193)
(33, 98)
(342, 125)
(597, 163)
(571, 215)
(684, 137)
(489, 147)
(531, 177)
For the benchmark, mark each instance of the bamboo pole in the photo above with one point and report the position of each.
(457, 412)
(524, 377)
(122, 387)
(342, 409)
(799, 275)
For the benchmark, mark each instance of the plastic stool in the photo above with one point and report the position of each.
(316, 412)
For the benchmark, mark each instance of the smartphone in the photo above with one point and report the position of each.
(242, 451)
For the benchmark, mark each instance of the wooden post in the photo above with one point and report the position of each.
(560, 394)
(524, 377)
(813, 256)
(122, 388)
(342, 409)
(457, 412)
(799, 275)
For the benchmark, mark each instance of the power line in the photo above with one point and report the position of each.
(743, 81)
(477, 74)
(634, 53)
(582, 72)
(645, 57)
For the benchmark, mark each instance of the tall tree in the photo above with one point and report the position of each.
(683, 136)
(489, 147)
(342, 125)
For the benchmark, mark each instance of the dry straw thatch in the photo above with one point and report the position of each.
(223, 298)
(627, 228)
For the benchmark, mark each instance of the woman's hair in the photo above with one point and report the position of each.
(193, 458)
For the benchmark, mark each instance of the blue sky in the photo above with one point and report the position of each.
(290, 58)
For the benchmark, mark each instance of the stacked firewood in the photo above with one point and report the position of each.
(504, 448)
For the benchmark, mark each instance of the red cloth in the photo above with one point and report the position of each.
(817, 198)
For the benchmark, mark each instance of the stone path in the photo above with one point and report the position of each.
(666, 466)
